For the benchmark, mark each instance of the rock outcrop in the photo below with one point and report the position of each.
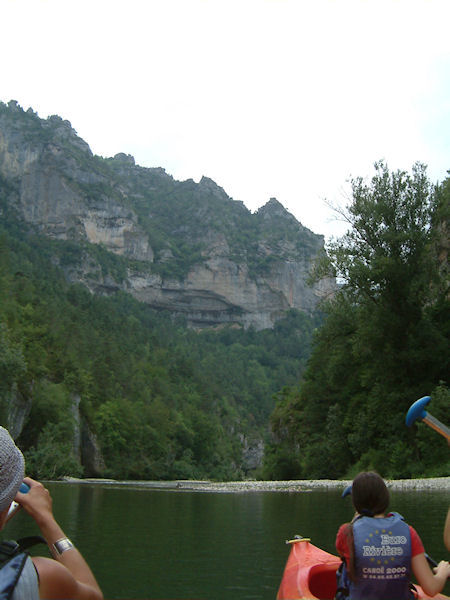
(19, 408)
(184, 247)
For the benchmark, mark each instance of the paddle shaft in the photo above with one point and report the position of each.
(437, 425)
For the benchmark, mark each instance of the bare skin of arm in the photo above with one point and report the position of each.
(68, 575)
(431, 583)
(447, 530)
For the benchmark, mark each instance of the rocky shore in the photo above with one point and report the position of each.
(304, 485)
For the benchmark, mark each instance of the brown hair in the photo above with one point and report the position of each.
(370, 497)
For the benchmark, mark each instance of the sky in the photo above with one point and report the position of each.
(269, 98)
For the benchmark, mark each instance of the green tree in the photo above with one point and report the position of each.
(53, 457)
(385, 339)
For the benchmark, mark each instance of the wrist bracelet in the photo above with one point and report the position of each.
(60, 546)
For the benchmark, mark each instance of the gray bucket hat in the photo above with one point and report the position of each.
(12, 469)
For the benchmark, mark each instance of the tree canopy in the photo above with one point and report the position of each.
(384, 343)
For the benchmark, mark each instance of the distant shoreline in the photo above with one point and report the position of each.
(303, 485)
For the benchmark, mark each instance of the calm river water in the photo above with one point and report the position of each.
(147, 544)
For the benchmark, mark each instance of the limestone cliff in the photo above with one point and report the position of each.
(181, 246)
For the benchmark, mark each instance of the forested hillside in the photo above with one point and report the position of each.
(384, 343)
(157, 329)
(161, 400)
(107, 267)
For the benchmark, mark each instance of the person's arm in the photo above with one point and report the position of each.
(447, 531)
(68, 575)
(431, 583)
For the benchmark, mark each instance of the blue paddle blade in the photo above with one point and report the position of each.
(417, 410)
(347, 491)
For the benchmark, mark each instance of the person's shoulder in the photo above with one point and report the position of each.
(342, 532)
(55, 580)
(415, 537)
(343, 528)
(342, 540)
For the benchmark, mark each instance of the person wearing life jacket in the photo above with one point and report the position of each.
(66, 575)
(380, 550)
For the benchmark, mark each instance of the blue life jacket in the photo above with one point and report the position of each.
(382, 558)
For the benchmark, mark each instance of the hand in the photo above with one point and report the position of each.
(37, 502)
(443, 569)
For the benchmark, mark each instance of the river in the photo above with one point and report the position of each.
(144, 543)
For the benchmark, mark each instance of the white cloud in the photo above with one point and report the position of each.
(284, 98)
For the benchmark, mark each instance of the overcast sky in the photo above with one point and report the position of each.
(269, 98)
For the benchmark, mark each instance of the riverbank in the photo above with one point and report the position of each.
(303, 485)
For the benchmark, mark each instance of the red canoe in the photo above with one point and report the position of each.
(311, 573)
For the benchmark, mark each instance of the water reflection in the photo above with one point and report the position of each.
(162, 544)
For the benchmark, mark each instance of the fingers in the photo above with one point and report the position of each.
(32, 482)
(443, 568)
(37, 499)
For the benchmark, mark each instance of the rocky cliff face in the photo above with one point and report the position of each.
(184, 247)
